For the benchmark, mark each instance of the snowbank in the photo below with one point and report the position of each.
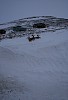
(41, 66)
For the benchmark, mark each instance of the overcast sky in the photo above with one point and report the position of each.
(15, 9)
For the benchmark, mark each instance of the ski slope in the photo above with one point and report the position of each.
(36, 70)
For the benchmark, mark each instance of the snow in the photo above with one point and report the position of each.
(38, 69)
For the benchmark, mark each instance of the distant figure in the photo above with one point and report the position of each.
(31, 38)
(37, 37)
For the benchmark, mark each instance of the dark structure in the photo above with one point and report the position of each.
(2, 31)
(39, 25)
(18, 28)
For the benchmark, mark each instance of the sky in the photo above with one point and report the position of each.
(15, 9)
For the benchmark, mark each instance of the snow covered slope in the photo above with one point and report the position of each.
(36, 70)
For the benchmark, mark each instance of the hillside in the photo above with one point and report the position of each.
(37, 69)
